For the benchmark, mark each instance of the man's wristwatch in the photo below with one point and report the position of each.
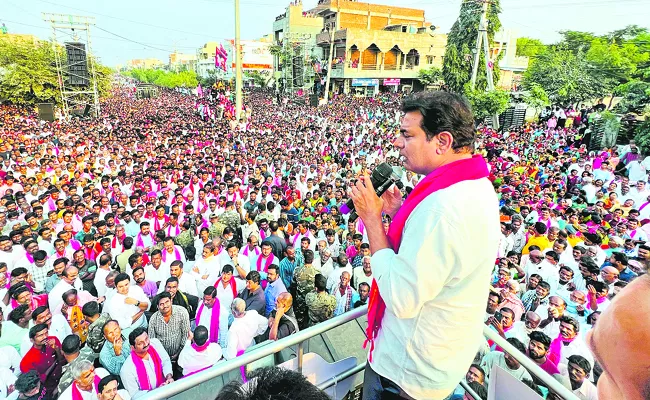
(138, 304)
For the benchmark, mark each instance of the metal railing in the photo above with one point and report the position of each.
(223, 367)
(300, 337)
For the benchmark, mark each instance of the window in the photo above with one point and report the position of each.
(430, 59)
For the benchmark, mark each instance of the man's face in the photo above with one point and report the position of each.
(227, 276)
(175, 271)
(577, 375)
(532, 320)
(474, 375)
(41, 337)
(492, 304)
(266, 250)
(417, 152)
(171, 288)
(507, 320)
(165, 306)
(556, 306)
(123, 287)
(138, 276)
(208, 300)
(112, 332)
(251, 285)
(141, 343)
(536, 350)
(345, 279)
(364, 291)
(567, 330)
(44, 318)
(272, 275)
(156, 260)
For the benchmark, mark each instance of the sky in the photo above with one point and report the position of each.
(128, 29)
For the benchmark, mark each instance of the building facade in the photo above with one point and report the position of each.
(512, 66)
(144, 63)
(377, 47)
(178, 61)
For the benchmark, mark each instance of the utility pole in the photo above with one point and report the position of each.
(332, 27)
(483, 41)
(238, 69)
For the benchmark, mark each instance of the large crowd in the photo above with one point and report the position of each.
(164, 236)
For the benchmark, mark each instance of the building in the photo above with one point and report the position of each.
(512, 66)
(144, 63)
(205, 59)
(178, 61)
(377, 47)
(256, 56)
(300, 60)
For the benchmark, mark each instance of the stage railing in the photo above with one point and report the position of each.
(300, 337)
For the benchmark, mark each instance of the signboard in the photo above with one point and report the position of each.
(255, 55)
(392, 82)
(365, 82)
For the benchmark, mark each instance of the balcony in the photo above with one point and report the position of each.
(324, 37)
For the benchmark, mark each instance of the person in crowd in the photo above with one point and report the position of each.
(45, 357)
(128, 304)
(96, 321)
(320, 304)
(73, 354)
(149, 365)
(213, 317)
(171, 325)
(254, 296)
(113, 353)
(199, 353)
(247, 324)
(274, 288)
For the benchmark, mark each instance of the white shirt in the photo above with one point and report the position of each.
(242, 331)
(520, 332)
(225, 294)
(54, 297)
(10, 359)
(577, 347)
(7, 378)
(123, 313)
(130, 377)
(155, 275)
(324, 269)
(440, 279)
(209, 267)
(358, 276)
(186, 284)
(101, 372)
(100, 281)
(206, 319)
(334, 277)
(191, 360)
(168, 259)
(498, 358)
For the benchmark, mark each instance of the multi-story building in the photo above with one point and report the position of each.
(144, 63)
(377, 47)
(512, 66)
(205, 59)
(295, 32)
(178, 61)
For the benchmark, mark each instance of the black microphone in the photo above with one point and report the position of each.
(383, 177)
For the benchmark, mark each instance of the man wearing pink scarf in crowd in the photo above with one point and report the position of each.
(199, 353)
(422, 270)
(149, 365)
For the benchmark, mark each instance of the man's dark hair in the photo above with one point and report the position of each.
(228, 269)
(35, 329)
(105, 381)
(581, 362)
(479, 389)
(320, 282)
(545, 285)
(71, 344)
(27, 382)
(253, 276)
(128, 243)
(201, 335)
(540, 227)
(90, 309)
(308, 256)
(444, 111)
(517, 344)
(163, 295)
(122, 277)
(540, 337)
(272, 383)
(18, 313)
(275, 267)
(136, 332)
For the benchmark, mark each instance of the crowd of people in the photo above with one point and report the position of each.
(165, 236)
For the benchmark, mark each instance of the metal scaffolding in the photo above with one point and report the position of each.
(298, 71)
(74, 97)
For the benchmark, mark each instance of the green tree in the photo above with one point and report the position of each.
(164, 78)
(486, 104)
(457, 65)
(566, 77)
(636, 97)
(642, 136)
(577, 41)
(529, 47)
(536, 97)
(430, 76)
(618, 61)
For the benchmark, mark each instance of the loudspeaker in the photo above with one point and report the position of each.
(86, 110)
(313, 100)
(77, 64)
(46, 111)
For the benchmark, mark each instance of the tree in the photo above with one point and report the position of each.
(636, 97)
(529, 47)
(457, 65)
(28, 72)
(620, 36)
(259, 79)
(566, 77)
(577, 41)
(642, 136)
(486, 104)
(164, 78)
(536, 97)
(619, 61)
(430, 76)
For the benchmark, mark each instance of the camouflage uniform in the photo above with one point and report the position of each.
(185, 239)
(230, 219)
(320, 307)
(66, 377)
(96, 337)
(304, 283)
(216, 230)
(266, 215)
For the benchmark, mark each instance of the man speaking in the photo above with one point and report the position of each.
(432, 270)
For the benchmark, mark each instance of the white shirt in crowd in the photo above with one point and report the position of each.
(130, 377)
(192, 360)
(242, 331)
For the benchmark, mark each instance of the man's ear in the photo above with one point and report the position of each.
(445, 141)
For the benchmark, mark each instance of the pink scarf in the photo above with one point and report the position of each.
(141, 371)
(262, 234)
(233, 287)
(269, 261)
(245, 252)
(76, 394)
(200, 349)
(555, 351)
(140, 243)
(599, 301)
(156, 223)
(441, 178)
(75, 245)
(177, 254)
(214, 321)
(177, 230)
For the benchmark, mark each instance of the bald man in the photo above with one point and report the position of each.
(610, 276)
(282, 321)
(620, 343)
(521, 329)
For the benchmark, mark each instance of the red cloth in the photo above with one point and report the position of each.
(441, 178)
(40, 361)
